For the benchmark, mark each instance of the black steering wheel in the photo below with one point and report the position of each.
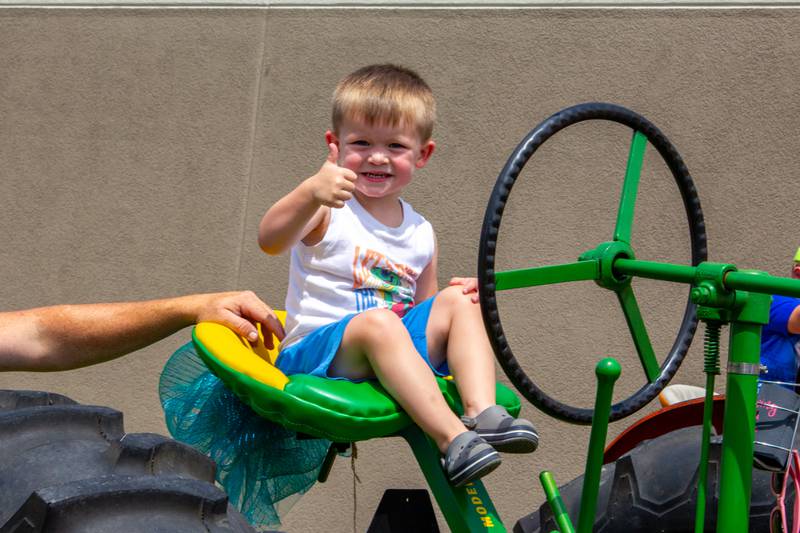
(594, 265)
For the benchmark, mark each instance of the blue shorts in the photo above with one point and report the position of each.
(314, 353)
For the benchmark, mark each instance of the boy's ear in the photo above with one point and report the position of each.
(331, 137)
(425, 153)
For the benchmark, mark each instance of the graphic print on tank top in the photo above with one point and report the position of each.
(380, 282)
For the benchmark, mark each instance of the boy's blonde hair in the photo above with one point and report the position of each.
(385, 94)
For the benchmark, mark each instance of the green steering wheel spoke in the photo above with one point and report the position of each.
(627, 203)
(639, 333)
(547, 275)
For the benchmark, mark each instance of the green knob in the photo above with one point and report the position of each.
(700, 295)
(608, 369)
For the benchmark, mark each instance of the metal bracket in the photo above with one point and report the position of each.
(749, 369)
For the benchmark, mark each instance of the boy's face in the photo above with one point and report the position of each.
(383, 157)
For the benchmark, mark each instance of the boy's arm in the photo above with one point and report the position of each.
(469, 286)
(73, 336)
(290, 220)
(427, 282)
(304, 213)
(784, 316)
(793, 326)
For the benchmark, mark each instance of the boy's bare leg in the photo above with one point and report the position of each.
(375, 344)
(455, 331)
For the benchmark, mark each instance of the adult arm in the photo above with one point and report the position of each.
(65, 337)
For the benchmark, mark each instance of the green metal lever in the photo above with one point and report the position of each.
(607, 371)
(556, 503)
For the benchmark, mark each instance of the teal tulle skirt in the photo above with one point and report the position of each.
(262, 466)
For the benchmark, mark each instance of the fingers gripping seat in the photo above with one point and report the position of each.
(337, 410)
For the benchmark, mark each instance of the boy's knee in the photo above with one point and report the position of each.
(453, 296)
(377, 323)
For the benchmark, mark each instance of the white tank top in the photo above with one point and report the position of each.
(359, 264)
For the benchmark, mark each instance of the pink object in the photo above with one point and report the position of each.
(777, 518)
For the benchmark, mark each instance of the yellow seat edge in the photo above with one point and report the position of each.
(238, 354)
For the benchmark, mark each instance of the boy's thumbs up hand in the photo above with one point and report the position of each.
(333, 153)
(333, 185)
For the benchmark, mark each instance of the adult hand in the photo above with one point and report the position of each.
(333, 185)
(470, 286)
(241, 311)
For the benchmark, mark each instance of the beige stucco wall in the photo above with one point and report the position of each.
(139, 148)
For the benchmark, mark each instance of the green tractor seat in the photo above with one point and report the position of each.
(337, 410)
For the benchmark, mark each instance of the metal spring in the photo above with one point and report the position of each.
(711, 347)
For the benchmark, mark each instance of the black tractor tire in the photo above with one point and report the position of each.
(68, 467)
(653, 488)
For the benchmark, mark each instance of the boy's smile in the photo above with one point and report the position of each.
(376, 177)
(383, 157)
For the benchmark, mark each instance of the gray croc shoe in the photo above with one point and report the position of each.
(504, 432)
(469, 457)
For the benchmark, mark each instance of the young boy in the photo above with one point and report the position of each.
(780, 337)
(362, 299)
